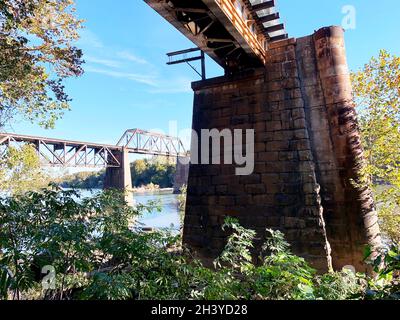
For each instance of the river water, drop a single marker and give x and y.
(169, 217)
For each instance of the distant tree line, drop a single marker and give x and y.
(83, 180)
(156, 171)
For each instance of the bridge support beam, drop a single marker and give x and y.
(307, 151)
(120, 178)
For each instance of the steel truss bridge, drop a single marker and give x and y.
(67, 153)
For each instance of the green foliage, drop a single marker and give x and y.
(182, 198)
(36, 55)
(377, 92)
(105, 286)
(232, 275)
(20, 170)
(339, 286)
(158, 171)
(280, 275)
(237, 250)
(284, 275)
(182, 205)
(52, 228)
(98, 254)
(386, 284)
(83, 180)
(155, 173)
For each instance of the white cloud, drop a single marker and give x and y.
(117, 64)
(171, 86)
(131, 57)
(103, 62)
(140, 78)
(89, 39)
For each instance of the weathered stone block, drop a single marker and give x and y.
(294, 223)
(301, 134)
(268, 156)
(274, 125)
(298, 113)
(305, 156)
(270, 178)
(255, 188)
(251, 179)
(278, 145)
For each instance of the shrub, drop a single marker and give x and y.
(96, 253)
(386, 284)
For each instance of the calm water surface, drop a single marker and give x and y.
(167, 218)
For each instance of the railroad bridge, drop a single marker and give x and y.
(115, 158)
(296, 94)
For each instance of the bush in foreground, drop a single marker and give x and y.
(92, 251)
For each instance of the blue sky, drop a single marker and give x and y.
(128, 85)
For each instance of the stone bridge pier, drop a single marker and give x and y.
(181, 174)
(120, 178)
(307, 152)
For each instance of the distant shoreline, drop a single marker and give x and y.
(140, 190)
(149, 190)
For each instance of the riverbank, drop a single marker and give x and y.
(146, 190)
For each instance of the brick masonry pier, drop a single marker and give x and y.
(307, 151)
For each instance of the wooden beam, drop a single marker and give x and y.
(274, 28)
(191, 10)
(269, 17)
(220, 40)
(278, 38)
(225, 46)
(263, 6)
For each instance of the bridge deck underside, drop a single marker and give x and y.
(204, 23)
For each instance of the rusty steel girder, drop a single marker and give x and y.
(146, 142)
(67, 153)
(64, 153)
